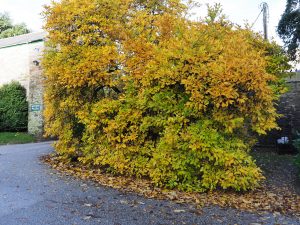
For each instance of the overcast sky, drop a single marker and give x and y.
(238, 11)
(27, 11)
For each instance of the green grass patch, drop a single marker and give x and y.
(15, 138)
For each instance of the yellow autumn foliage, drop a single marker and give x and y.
(136, 88)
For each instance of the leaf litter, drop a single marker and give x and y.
(279, 198)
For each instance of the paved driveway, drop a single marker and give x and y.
(32, 193)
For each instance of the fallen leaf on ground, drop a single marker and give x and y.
(268, 198)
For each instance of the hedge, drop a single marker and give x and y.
(13, 107)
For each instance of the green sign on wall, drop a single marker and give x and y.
(36, 108)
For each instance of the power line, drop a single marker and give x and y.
(265, 10)
(257, 18)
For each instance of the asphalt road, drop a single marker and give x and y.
(32, 193)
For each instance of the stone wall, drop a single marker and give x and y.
(289, 107)
(35, 95)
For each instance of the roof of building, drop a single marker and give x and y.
(22, 39)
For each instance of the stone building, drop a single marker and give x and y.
(20, 61)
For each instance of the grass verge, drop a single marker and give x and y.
(15, 138)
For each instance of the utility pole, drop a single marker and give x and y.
(265, 10)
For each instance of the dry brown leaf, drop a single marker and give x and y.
(278, 200)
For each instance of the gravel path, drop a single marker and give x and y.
(32, 193)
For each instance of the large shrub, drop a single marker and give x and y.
(134, 87)
(13, 107)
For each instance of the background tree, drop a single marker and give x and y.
(289, 27)
(8, 29)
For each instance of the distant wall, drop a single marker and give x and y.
(289, 107)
